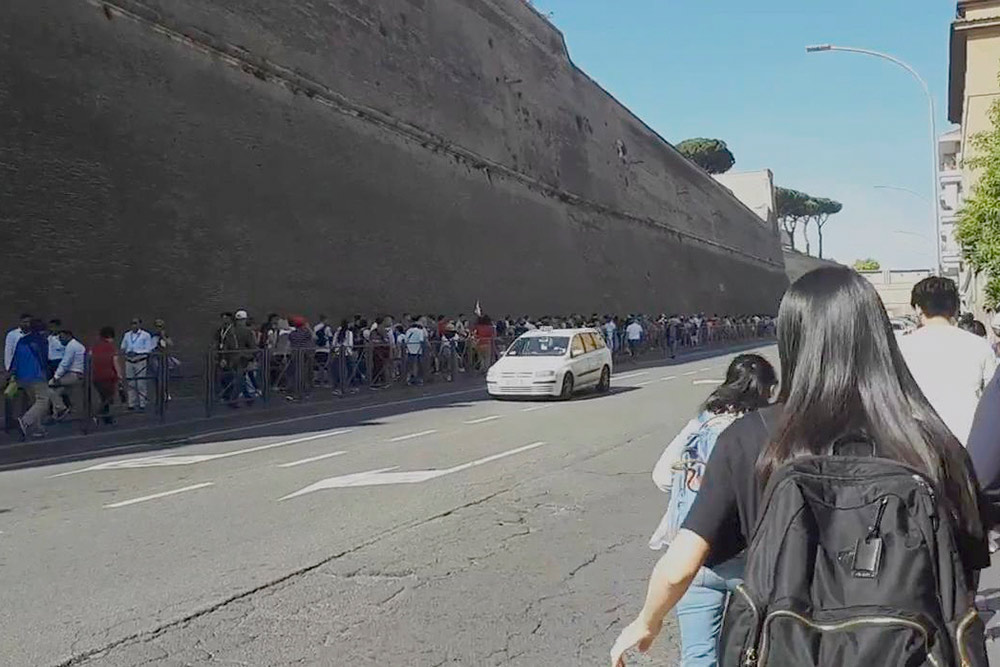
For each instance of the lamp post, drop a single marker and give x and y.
(934, 139)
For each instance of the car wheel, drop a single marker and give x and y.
(567, 387)
(605, 384)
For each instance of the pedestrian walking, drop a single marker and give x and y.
(855, 504)
(749, 384)
(68, 375)
(55, 351)
(951, 366)
(14, 398)
(29, 369)
(416, 338)
(107, 372)
(136, 346)
(634, 333)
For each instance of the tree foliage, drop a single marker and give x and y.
(978, 229)
(794, 207)
(712, 155)
(867, 265)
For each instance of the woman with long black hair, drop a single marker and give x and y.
(841, 375)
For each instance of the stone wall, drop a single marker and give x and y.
(178, 158)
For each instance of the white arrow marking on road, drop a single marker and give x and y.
(190, 459)
(384, 476)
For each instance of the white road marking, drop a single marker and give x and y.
(154, 496)
(482, 420)
(310, 459)
(166, 460)
(702, 370)
(689, 373)
(668, 378)
(645, 382)
(384, 476)
(410, 436)
(536, 408)
(629, 375)
(707, 381)
(361, 408)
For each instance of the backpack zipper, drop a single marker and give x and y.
(845, 625)
(750, 653)
(963, 626)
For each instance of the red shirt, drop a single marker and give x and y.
(484, 332)
(102, 360)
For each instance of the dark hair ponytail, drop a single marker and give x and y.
(748, 386)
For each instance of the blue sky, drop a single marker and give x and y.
(831, 124)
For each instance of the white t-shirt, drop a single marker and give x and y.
(634, 331)
(952, 367)
(415, 339)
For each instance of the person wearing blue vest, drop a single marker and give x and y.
(29, 368)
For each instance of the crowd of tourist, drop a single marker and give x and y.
(46, 364)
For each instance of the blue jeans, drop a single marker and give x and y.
(699, 612)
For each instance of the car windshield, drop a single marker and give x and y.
(539, 346)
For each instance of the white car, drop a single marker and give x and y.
(553, 362)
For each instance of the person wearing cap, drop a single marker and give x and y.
(237, 347)
(135, 346)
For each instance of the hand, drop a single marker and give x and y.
(637, 634)
(53, 382)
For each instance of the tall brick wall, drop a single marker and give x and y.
(177, 158)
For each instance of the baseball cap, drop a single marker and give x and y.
(241, 315)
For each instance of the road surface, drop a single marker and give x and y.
(457, 531)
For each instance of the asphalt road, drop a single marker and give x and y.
(495, 533)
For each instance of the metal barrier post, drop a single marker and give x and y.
(163, 389)
(209, 383)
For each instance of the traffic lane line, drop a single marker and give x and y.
(155, 496)
(645, 382)
(536, 408)
(668, 378)
(311, 459)
(169, 460)
(481, 420)
(707, 381)
(689, 373)
(411, 436)
(629, 375)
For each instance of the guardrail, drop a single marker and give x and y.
(157, 387)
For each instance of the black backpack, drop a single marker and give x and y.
(322, 337)
(854, 562)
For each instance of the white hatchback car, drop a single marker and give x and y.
(552, 362)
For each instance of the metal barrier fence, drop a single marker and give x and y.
(153, 386)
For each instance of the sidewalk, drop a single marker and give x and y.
(185, 419)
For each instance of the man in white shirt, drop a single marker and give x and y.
(415, 339)
(951, 366)
(68, 374)
(55, 345)
(136, 345)
(14, 335)
(634, 333)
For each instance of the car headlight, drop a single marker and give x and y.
(545, 374)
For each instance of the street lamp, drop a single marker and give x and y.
(896, 187)
(934, 139)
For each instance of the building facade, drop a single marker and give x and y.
(972, 89)
(950, 197)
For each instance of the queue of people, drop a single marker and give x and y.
(46, 371)
(841, 522)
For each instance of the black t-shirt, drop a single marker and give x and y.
(725, 510)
